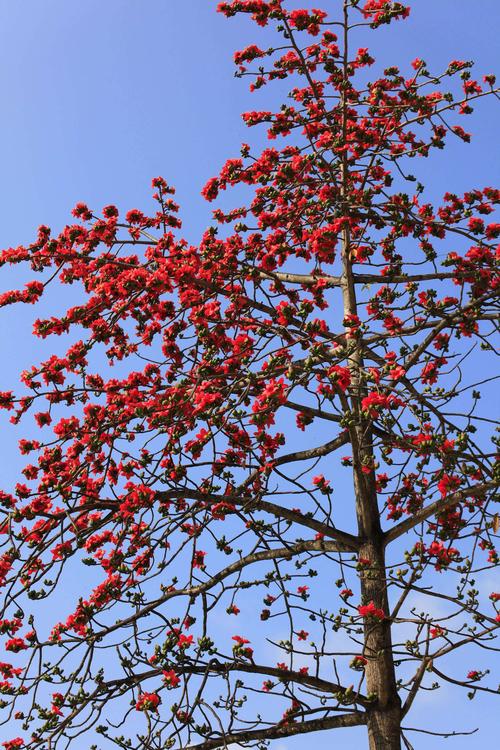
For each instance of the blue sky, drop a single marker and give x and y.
(99, 96)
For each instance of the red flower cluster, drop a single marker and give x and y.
(373, 404)
(304, 20)
(370, 611)
(148, 702)
(240, 648)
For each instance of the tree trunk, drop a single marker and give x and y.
(384, 730)
(384, 720)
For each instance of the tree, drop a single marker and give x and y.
(287, 467)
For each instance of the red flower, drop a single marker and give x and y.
(13, 744)
(57, 702)
(6, 400)
(239, 640)
(248, 54)
(358, 662)
(375, 402)
(430, 371)
(305, 20)
(321, 483)
(302, 591)
(185, 641)
(110, 212)
(211, 189)
(437, 632)
(396, 373)
(448, 483)
(148, 702)
(240, 648)
(15, 645)
(199, 559)
(370, 610)
(444, 555)
(341, 376)
(170, 679)
(134, 216)
(382, 11)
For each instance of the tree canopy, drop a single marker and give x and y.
(261, 485)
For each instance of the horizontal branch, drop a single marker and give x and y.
(463, 683)
(290, 729)
(322, 450)
(299, 278)
(436, 507)
(279, 553)
(359, 278)
(436, 324)
(345, 540)
(324, 686)
(312, 411)
(369, 278)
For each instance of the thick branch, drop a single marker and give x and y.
(345, 540)
(312, 411)
(354, 719)
(322, 450)
(359, 278)
(299, 278)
